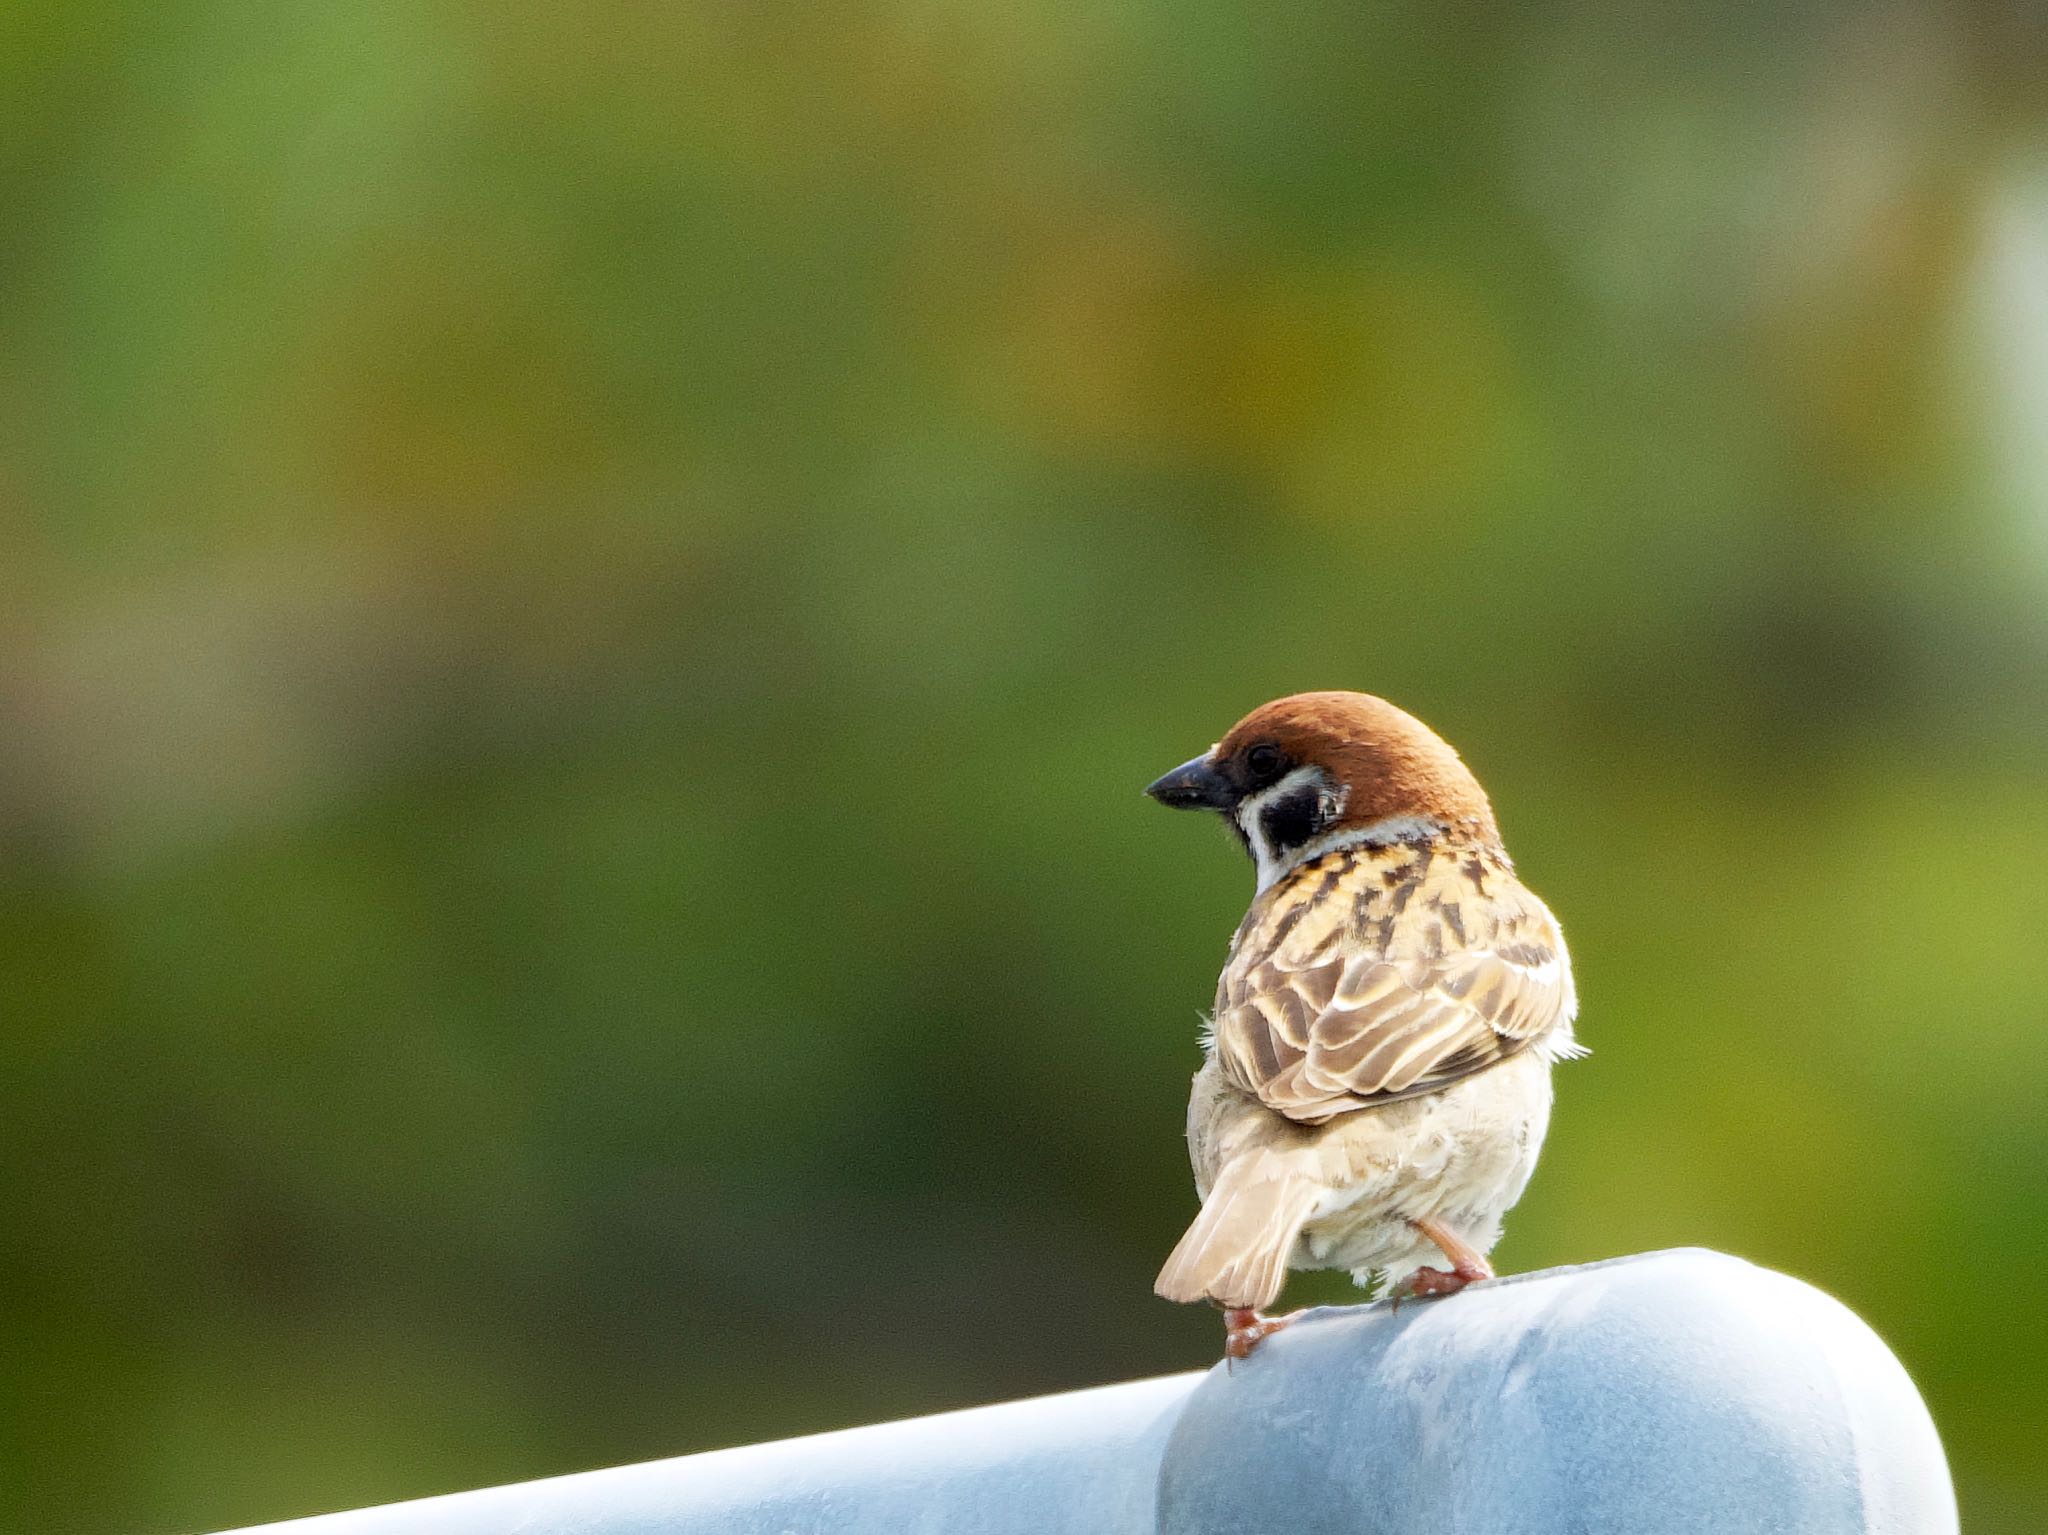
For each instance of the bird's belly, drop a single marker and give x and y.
(1462, 1156)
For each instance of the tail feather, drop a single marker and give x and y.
(1236, 1251)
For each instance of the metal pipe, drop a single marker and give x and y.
(1671, 1393)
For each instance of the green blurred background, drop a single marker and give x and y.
(588, 592)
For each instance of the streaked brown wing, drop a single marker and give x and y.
(1376, 975)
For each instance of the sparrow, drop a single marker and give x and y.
(1376, 1080)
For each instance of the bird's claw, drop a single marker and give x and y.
(1428, 1282)
(1244, 1330)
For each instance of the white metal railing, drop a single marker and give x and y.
(1684, 1392)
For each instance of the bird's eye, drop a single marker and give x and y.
(1265, 760)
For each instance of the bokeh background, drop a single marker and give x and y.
(586, 593)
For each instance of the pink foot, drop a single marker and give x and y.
(1427, 1282)
(1244, 1330)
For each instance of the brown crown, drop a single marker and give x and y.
(1392, 763)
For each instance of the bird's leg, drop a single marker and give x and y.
(1244, 1329)
(1467, 1262)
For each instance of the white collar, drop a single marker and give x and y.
(1398, 828)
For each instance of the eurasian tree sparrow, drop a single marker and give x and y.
(1377, 1080)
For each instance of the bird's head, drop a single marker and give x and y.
(1314, 771)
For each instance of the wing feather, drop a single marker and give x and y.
(1408, 969)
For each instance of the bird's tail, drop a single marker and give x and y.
(1236, 1251)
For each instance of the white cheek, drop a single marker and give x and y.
(1272, 863)
(1254, 829)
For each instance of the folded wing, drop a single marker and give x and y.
(1382, 974)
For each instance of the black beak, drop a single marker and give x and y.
(1194, 786)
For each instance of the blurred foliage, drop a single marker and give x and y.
(588, 591)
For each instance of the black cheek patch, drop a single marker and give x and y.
(1293, 819)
